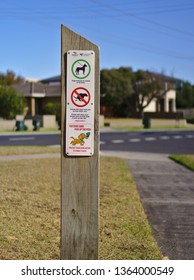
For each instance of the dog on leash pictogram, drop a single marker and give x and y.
(82, 68)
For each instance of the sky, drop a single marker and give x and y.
(154, 35)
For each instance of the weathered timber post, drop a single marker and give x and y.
(80, 89)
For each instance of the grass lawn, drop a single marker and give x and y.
(124, 232)
(30, 211)
(186, 160)
(130, 124)
(23, 150)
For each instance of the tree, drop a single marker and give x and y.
(116, 90)
(147, 86)
(184, 95)
(11, 102)
(10, 78)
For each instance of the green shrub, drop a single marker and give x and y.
(53, 109)
(190, 120)
(12, 102)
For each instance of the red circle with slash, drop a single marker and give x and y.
(78, 97)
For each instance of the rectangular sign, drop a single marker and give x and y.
(80, 103)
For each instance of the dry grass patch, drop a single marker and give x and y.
(30, 209)
(23, 150)
(125, 231)
(30, 212)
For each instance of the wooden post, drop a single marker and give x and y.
(79, 174)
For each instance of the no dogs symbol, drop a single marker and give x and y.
(81, 69)
(80, 97)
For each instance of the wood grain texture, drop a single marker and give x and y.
(80, 175)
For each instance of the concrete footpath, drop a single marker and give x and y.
(167, 192)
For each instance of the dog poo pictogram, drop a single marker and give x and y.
(80, 97)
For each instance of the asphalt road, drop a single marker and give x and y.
(163, 142)
(30, 139)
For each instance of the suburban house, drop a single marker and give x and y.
(49, 90)
(165, 104)
(40, 93)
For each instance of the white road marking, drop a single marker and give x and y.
(21, 138)
(164, 137)
(134, 140)
(150, 139)
(117, 141)
(177, 136)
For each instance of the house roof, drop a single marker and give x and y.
(30, 89)
(51, 79)
(51, 87)
(164, 77)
